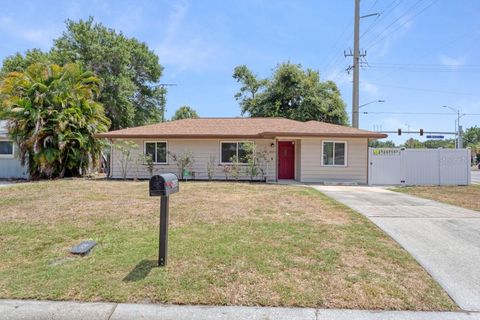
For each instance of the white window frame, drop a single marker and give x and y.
(166, 150)
(237, 142)
(8, 156)
(345, 163)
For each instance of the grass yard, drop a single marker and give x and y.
(230, 244)
(462, 196)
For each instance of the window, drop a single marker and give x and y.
(6, 149)
(334, 153)
(234, 149)
(157, 150)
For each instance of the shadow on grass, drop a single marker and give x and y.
(141, 270)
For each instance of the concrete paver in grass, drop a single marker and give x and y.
(444, 239)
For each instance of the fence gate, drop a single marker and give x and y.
(395, 166)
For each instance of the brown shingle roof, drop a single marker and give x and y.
(240, 128)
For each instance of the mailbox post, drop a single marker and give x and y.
(163, 186)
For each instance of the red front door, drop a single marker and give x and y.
(286, 160)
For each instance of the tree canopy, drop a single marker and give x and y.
(471, 136)
(128, 69)
(184, 112)
(53, 118)
(471, 140)
(381, 144)
(290, 92)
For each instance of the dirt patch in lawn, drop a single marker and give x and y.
(230, 244)
(463, 196)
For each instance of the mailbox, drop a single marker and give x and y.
(163, 185)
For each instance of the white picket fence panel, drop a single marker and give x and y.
(395, 166)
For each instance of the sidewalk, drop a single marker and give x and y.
(43, 310)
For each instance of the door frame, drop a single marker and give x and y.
(294, 157)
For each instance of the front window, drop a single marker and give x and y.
(6, 148)
(235, 150)
(334, 153)
(157, 150)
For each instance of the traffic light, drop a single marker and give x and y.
(399, 132)
(421, 132)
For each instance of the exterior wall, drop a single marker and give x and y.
(10, 167)
(298, 163)
(354, 171)
(202, 150)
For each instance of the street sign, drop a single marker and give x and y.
(435, 137)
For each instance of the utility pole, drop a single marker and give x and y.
(356, 55)
(458, 128)
(356, 65)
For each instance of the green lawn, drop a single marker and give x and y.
(230, 244)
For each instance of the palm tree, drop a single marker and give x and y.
(53, 117)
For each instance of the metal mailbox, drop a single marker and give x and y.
(163, 185)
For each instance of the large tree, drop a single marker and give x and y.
(19, 62)
(471, 140)
(184, 112)
(53, 117)
(128, 70)
(290, 92)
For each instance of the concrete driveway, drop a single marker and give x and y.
(6, 184)
(444, 239)
(476, 177)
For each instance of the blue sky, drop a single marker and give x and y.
(421, 53)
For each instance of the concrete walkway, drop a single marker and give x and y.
(5, 183)
(43, 310)
(444, 239)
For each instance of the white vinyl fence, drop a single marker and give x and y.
(394, 166)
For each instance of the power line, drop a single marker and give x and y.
(444, 45)
(374, 42)
(425, 89)
(383, 14)
(426, 69)
(419, 113)
(426, 65)
(332, 56)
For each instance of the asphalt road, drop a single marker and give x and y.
(444, 239)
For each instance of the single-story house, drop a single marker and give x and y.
(10, 166)
(310, 151)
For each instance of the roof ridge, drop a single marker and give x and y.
(236, 118)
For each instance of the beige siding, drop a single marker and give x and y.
(202, 151)
(298, 163)
(355, 170)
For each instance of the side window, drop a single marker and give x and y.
(334, 153)
(6, 148)
(229, 150)
(157, 150)
(150, 150)
(234, 149)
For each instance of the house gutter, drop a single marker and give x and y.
(263, 135)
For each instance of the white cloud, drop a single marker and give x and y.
(383, 40)
(183, 49)
(39, 36)
(339, 76)
(450, 61)
(393, 123)
(368, 87)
